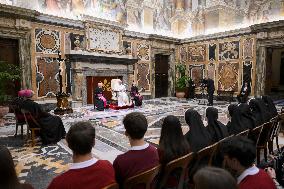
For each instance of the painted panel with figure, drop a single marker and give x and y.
(196, 73)
(228, 76)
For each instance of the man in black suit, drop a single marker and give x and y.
(210, 89)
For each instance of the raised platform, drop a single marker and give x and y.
(116, 107)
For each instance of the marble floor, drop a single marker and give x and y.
(38, 165)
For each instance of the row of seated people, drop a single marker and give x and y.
(88, 172)
(51, 127)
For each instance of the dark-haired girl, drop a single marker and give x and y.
(8, 176)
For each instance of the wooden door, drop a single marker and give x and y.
(9, 54)
(161, 75)
(92, 82)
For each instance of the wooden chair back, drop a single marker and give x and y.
(255, 133)
(181, 164)
(275, 127)
(205, 155)
(265, 134)
(244, 133)
(146, 178)
(112, 186)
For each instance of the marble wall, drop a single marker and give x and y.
(228, 61)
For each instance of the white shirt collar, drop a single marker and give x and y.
(250, 171)
(83, 164)
(143, 147)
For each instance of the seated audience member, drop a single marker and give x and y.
(198, 137)
(172, 145)
(141, 156)
(259, 111)
(99, 99)
(242, 120)
(270, 106)
(135, 95)
(86, 172)
(52, 128)
(217, 130)
(244, 93)
(231, 110)
(8, 176)
(239, 156)
(214, 178)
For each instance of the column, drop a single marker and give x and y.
(260, 73)
(282, 7)
(180, 4)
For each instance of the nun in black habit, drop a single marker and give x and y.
(259, 112)
(217, 130)
(198, 137)
(51, 127)
(270, 106)
(242, 119)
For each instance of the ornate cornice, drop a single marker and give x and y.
(17, 12)
(226, 34)
(267, 26)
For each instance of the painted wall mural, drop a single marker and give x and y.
(165, 16)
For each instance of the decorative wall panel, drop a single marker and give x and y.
(228, 76)
(211, 71)
(196, 72)
(183, 54)
(143, 75)
(104, 39)
(77, 41)
(248, 47)
(47, 41)
(229, 50)
(143, 51)
(47, 76)
(247, 71)
(197, 53)
(212, 52)
(127, 47)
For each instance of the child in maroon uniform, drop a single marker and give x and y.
(141, 156)
(86, 172)
(239, 155)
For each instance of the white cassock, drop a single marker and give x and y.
(122, 99)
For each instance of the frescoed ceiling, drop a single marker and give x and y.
(178, 18)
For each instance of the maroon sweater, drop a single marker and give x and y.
(134, 162)
(96, 176)
(261, 180)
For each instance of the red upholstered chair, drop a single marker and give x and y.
(20, 121)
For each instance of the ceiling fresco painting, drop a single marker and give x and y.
(177, 18)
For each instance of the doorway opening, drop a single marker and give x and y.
(9, 54)
(274, 85)
(161, 75)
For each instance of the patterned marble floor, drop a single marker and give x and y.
(38, 165)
